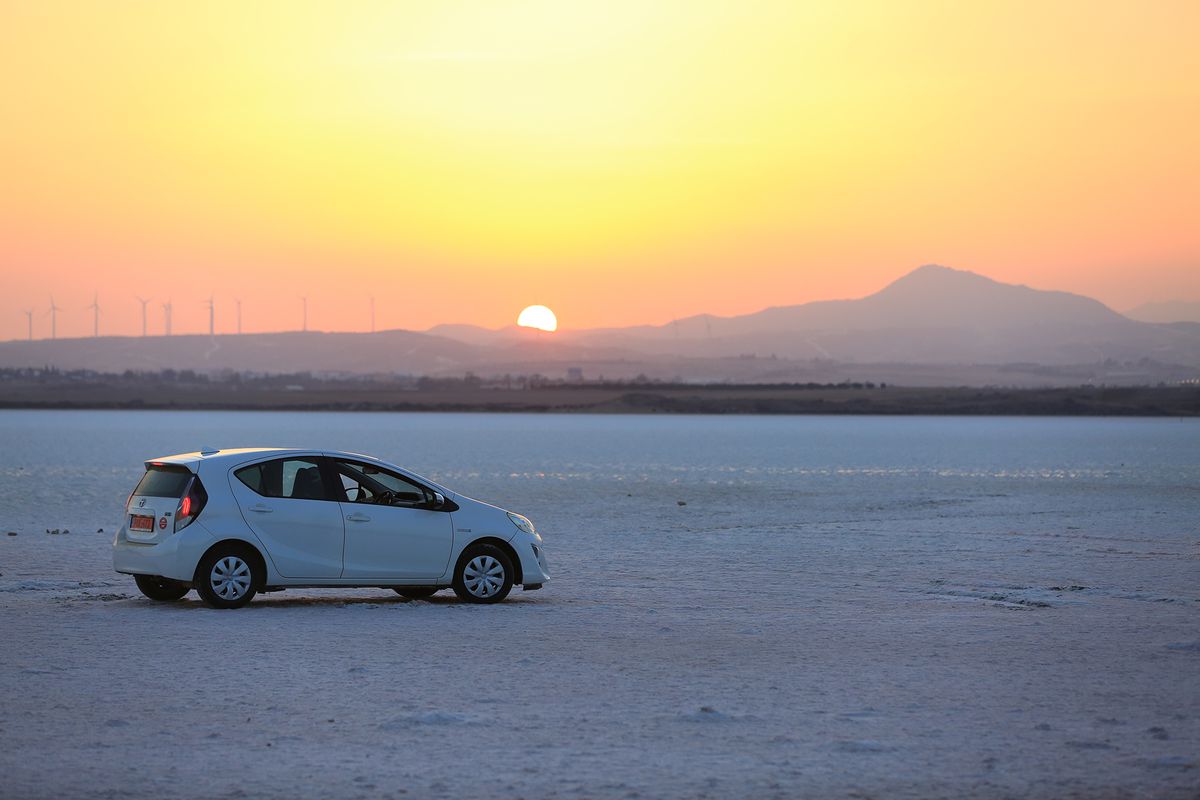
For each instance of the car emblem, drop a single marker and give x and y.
(162, 523)
(141, 502)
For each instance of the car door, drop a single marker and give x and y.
(286, 504)
(390, 531)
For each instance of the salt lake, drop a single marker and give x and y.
(740, 606)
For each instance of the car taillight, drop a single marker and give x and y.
(191, 504)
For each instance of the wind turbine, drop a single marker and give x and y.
(372, 314)
(29, 319)
(167, 318)
(239, 316)
(304, 326)
(143, 302)
(53, 312)
(95, 307)
(210, 314)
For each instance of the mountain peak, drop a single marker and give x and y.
(933, 268)
(936, 273)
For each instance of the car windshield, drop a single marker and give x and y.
(163, 480)
(365, 483)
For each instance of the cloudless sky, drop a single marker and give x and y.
(620, 161)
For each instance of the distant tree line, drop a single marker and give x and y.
(294, 380)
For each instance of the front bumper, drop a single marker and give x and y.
(175, 557)
(535, 570)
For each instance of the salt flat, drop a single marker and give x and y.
(843, 608)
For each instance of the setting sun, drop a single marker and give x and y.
(538, 317)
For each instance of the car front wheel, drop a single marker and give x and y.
(157, 587)
(484, 575)
(228, 577)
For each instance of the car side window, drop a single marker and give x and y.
(365, 483)
(295, 478)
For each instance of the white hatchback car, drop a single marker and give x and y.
(231, 523)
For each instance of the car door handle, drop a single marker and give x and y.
(356, 517)
(261, 509)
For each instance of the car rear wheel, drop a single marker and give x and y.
(415, 592)
(228, 577)
(484, 574)
(157, 587)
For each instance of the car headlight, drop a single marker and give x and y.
(522, 523)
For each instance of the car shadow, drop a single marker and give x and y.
(282, 600)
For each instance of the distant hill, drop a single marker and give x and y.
(933, 315)
(478, 335)
(1169, 311)
(933, 326)
(386, 351)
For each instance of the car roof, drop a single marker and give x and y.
(242, 453)
(223, 454)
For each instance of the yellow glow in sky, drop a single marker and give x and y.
(627, 161)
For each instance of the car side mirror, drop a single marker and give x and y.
(438, 500)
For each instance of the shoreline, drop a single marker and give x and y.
(771, 400)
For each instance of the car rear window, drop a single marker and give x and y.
(163, 481)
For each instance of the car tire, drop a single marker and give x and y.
(165, 590)
(228, 576)
(484, 574)
(415, 592)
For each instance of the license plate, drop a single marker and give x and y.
(139, 523)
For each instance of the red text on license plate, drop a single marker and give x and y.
(141, 523)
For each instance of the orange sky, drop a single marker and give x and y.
(620, 161)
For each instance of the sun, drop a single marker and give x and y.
(538, 317)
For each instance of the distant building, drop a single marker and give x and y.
(575, 374)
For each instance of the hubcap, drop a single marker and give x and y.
(483, 576)
(230, 578)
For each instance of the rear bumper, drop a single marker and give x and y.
(175, 557)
